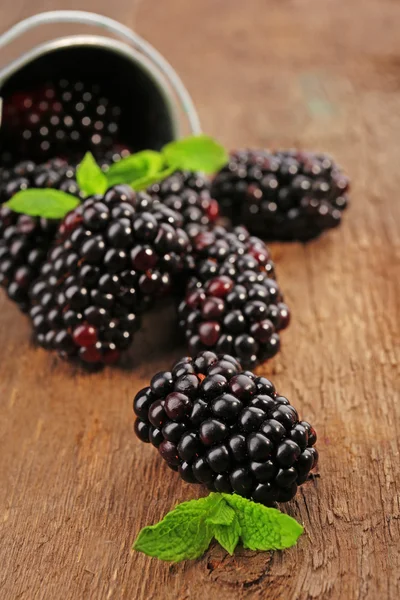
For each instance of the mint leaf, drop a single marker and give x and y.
(186, 531)
(263, 528)
(46, 203)
(182, 534)
(135, 167)
(222, 513)
(90, 177)
(143, 183)
(196, 153)
(228, 535)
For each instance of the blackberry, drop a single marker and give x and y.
(61, 118)
(25, 240)
(234, 433)
(113, 255)
(232, 303)
(284, 195)
(189, 194)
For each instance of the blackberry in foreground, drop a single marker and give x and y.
(25, 240)
(232, 303)
(113, 255)
(61, 118)
(226, 428)
(189, 194)
(284, 195)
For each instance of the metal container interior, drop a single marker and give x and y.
(149, 116)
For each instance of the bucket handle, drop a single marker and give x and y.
(124, 33)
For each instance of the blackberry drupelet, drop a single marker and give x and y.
(113, 255)
(232, 304)
(284, 195)
(226, 428)
(25, 240)
(61, 118)
(189, 194)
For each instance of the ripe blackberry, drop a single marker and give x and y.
(232, 304)
(229, 430)
(61, 118)
(189, 194)
(113, 254)
(285, 195)
(25, 240)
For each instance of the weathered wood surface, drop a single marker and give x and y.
(76, 486)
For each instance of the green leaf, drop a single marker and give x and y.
(263, 528)
(143, 183)
(228, 535)
(182, 534)
(196, 153)
(90, 177)
(222, 513)
(135, 167)
(186, 531)
(46, 203)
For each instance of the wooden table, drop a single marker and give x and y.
(76, 486)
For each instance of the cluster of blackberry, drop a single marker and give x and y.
(61, 118)
(87, 280)
(232, 303)
(286, 195)
(25, 240)
(243, 322)
(189, 194)
(113, 255)
(226, 428)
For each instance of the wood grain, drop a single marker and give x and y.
(76, 486)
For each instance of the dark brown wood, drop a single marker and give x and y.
(76, 486)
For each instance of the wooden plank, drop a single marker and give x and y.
(76, 486)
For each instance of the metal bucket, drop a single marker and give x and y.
(151, 94)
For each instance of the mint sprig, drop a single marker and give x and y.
(46, 203)
(186, 531)
(141, 170)
(90, 177)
